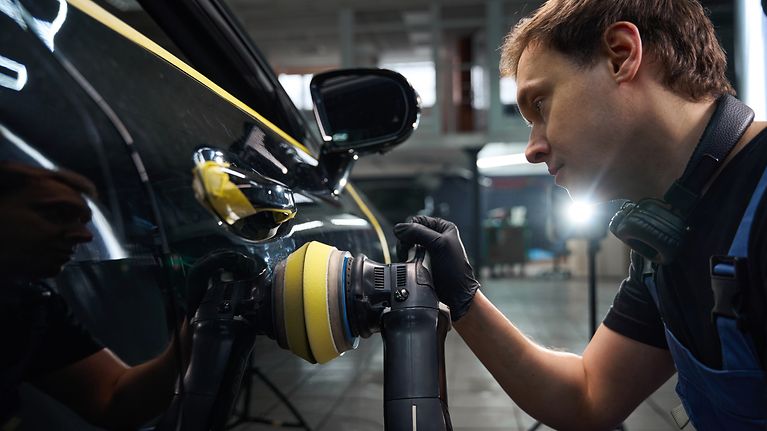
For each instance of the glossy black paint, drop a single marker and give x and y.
(221, 50)
(102, 106)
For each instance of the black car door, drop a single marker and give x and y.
(171, 110)
(152, 112)
(101, 100)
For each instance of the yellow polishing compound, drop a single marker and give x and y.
(310, 303)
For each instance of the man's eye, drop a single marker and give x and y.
(539, 106)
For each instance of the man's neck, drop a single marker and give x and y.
(682, 124)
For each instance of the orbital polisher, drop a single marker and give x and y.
(318, 303)
(324, 300)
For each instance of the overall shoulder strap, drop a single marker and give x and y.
(739, 245)
(730, 274)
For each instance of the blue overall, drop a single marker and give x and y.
(735, 397)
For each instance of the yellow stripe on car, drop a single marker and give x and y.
(373, 221)
(101, 15)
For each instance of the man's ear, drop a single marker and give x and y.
(622, 46)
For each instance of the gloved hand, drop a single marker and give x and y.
(453, 276)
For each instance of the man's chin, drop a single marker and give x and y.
(587, 193)
(578, 194)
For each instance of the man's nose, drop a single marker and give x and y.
(538, 149)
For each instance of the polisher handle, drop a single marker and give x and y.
(415, 387)
(414, 331)
(224, 334)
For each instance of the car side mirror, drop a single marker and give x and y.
(360, 111)
(364, 110)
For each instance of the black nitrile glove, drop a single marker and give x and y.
(453, 276)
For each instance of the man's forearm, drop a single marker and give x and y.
(551, 386)
(109, 393)
(142, 392)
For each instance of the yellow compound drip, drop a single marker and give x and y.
(316, 310)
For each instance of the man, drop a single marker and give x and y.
(618, 94)
(43, 217)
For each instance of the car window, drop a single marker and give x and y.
(131, 13)
(260, 89)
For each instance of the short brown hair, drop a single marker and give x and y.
(676, 33)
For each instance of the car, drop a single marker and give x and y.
(82, 90)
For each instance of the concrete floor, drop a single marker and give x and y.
(347, 393)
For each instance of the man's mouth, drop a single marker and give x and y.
(554, 169)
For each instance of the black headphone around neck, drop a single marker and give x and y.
(656, 228)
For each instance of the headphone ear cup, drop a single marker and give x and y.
(650, 229)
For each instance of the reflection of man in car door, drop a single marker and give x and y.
(43, 216)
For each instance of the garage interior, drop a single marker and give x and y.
(463, 164)
(536, 254)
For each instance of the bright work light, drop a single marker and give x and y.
(580, 213)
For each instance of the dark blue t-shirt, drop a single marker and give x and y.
(39, 335)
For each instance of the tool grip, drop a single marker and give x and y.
(415, 387)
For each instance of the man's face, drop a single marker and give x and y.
(40, 225)
(578, 121)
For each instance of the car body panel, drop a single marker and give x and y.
(106, 103)
(168, 116)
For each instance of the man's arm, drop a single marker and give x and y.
(109, 393)
(563, 390)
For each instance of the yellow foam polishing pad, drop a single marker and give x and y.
(278, 305)
(316, 309)
(295, 325)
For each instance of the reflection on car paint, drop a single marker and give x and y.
(44, 29)
(255, 140)
(165, 142)
(13, 82)
(305, 226)
(104, 239)
(351, 221)
(9, 8)
(376, 226)
(301, 198)
(252, 205)
(105, 244)
(25, 148)
(97, 13)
